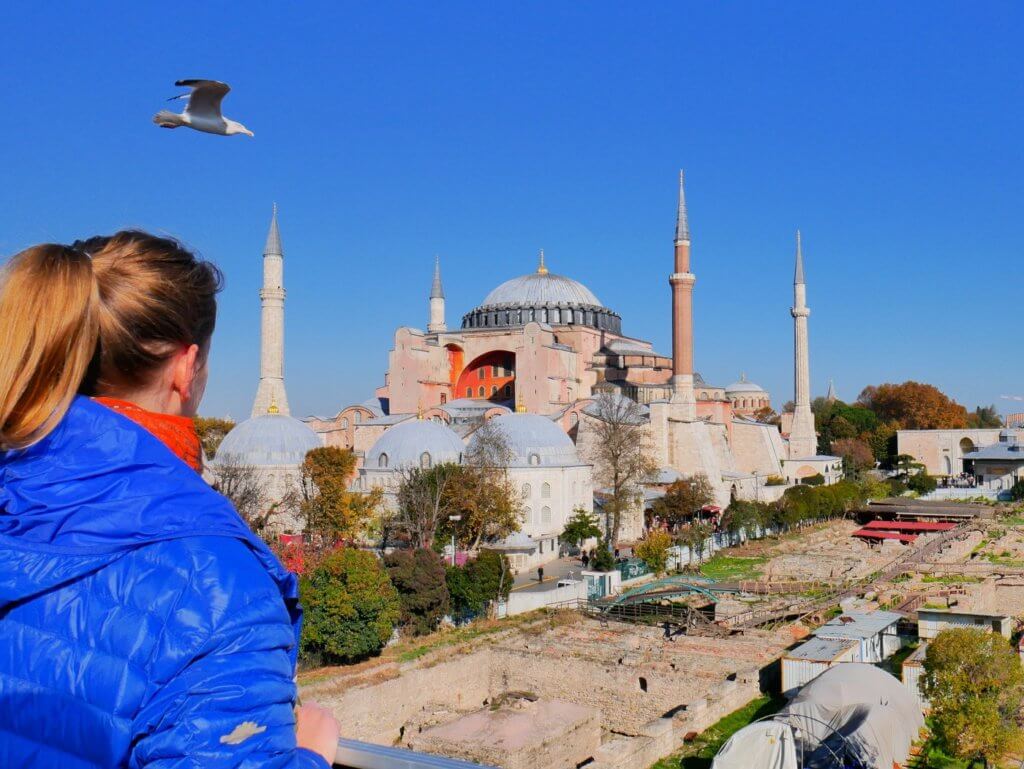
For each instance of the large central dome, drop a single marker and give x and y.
(543, 297)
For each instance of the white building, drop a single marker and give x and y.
(874, 631)
(413, 443)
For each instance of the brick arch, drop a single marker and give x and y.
(492, 371)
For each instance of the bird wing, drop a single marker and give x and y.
(206, 96)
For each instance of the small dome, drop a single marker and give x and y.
(536, 441)
(743, 386)
(405, 444)
(267, 440)
(539, 289)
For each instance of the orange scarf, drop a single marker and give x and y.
(177, 433)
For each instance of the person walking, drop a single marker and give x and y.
(540, 573)
(142, 624)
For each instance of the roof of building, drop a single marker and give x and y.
(404, 445)
(1005, 452)
(539, 288)
(821, 649)
(743, 386)
(858, 624)
(532, 435)
(266, 440)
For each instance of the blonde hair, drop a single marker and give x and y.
(95, 317)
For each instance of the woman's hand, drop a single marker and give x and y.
(317, 730)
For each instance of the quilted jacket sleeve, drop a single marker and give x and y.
(227, 702)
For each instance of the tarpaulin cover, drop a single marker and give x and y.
(764, 745)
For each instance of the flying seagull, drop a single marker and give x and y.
(203, 110)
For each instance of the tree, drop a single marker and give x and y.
(419, 577)
(329, 510)
(767, 415)
(242, 485)
(483, 580)
(653, 550)
(974, 683)
(922, 483)
(603, 560)
(695, 537)
(211, 432)
(1017, 491)
(984, 417)
(684, 499)
(856, 454)
(351, 607)
(914, 405)
(622, 455)
(883, 442)
(425, 502)
(581, 527)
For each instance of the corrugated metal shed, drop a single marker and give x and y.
(809, 660)
(821, 649)
(913, 668)
(858, 624)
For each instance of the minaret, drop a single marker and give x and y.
(270, 395)
(803, 441)
(831, 396)
(437, 323)
(682, 280)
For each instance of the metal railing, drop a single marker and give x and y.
(353, 754)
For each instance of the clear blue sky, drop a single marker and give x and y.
(891, 134)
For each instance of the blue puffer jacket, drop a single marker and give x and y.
(141, 623)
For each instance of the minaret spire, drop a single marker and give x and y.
(542, 269)
(270, 395)
(831, 396)
(437, 323)
(682, 280)
(803, 441)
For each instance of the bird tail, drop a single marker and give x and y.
(166, 119)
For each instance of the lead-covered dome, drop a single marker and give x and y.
(535, 441)
(414, 443)
(542, 297)
(265, 441)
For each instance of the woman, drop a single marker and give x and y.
(141, 623)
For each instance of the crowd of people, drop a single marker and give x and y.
(961, 481)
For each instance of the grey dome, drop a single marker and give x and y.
(536, 438)
(541, 288)
(404, 445)
(267, 440)
(743, 386)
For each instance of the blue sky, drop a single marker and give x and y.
(388, 132)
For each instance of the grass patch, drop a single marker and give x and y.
(894, 664)
(732, 568)
(699, 753)
(949, 579)
(1013, 520)
(1002, 560)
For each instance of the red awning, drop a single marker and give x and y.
(869, 534)
(908, 526)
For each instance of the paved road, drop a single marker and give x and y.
(553, 571)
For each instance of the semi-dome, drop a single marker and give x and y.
(743, 386)
(542, 297)
(535, 440)
(414, 443)
(267, 440)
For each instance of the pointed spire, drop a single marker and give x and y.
(831, 397)
(799, 276)
(541, 267)
(273, 237)
(436, 290)
(682, 221)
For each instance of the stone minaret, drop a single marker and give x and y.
(437, 323)
(270, 395)
(682, 280)
(803, 442)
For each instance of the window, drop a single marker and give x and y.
(481, 373)
(382, 461)
(344, 423)
(425, 460)
(545, 491)
(545, 515)
(643, 684)
(508, 391)
(534, 459)
(494, 390)
(444, 399)
(528, 515)
(526, 491)
(358, 417)
(482, 391)
(496, 371)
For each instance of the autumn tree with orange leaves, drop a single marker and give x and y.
(915, 406)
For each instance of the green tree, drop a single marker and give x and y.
(211, 432)
(351, 608)
(330, 512)
(922, 483)
(482, 492)
(695, 537)
(653, 550)
(580, 527)
(419, 577)
(984, 417)
(1017, 491)
(603, 559)
(975, 685)
(684, 499)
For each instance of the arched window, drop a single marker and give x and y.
(425, 460)
(556, 316)
(358, 417)
(508, 391)
(545, 491)
(527, 515)
(344, 423)
(469, 392)
(545, 515)
(494, 390)
(444, 399)
(482, 391)
(703, 396)
(544, 315)
(481, 373)
(382, 461)
(526, 491)
(534, 459)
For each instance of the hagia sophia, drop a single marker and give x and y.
(534, 355)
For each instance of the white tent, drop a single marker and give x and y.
(852, 708)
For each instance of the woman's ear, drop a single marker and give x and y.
(186, 366)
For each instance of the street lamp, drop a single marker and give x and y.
(454, 519)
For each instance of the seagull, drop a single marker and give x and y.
(203, 110)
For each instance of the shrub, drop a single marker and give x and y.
(653, 550)
(603, 559)
(479, 582)
(1017, 491)
(419, 577)
(351, 607)
(922, 483)
(814, 480)
(775, 480)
